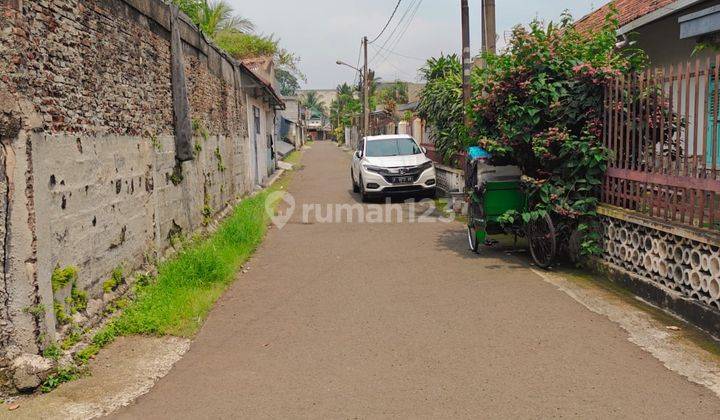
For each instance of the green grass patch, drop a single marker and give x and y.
(188, 285)
(441, 205)
(178, 300)
(294, 157)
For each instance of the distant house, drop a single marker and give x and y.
(663, 126)
(292, 125)
(263, 102)
(318, 126)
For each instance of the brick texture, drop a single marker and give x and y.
(86, 112)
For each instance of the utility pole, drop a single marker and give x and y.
(366, 91)
(488, 27)
(466, 63)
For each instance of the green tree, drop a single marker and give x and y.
(312, 101)
(393, 95)
(191, 8)
(441, 105)
(233, 33)
(396, 91)
(289, 84)
(345, 106)
(288, 72)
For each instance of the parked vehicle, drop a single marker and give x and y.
(391, 164)
(494, 190)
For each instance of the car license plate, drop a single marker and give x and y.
(404, 180)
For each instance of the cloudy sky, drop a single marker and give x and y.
(323, 31)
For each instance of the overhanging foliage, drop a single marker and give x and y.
(538, 105)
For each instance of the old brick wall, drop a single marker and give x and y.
(86, 113)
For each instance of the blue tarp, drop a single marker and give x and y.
(477, 152)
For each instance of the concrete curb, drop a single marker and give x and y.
(702, 316)
(274, 178)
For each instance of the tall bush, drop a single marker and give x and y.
(539, 105)
(441, 104)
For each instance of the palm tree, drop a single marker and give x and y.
(345, 89)
(215, 16)
(312, 101)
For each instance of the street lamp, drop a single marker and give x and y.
(342, 63)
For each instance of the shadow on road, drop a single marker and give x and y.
(499, 256)
(393, 199)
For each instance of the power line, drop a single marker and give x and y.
(402, 19)
(407, 26)
(399, 54)
(401, 34)
(403, 29)
(388, 22)
(386, 61)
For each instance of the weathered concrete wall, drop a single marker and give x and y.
(258, 136)
(88, 175)
(5, 326)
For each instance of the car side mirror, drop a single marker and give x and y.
(424, 150)
(358, 154)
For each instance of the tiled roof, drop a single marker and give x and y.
(628, 11)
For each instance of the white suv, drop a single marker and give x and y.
(391, 164)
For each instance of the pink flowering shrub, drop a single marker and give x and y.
(539, 105)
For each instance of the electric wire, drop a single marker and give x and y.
(398, 39)
(407, 26)
(410, 57)
(388, 22)
(394, 31)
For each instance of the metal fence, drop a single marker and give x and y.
(662, 126)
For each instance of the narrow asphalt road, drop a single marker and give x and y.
(357, 320)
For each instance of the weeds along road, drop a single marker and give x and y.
(345, 320)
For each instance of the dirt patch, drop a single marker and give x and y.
(123, 371)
